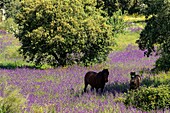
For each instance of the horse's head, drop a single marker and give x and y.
(135, 80)
(133, 75)
(105, 74)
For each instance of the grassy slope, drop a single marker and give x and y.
(123, 40)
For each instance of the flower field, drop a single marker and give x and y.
(60, 90)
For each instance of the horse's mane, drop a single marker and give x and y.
(100, 74)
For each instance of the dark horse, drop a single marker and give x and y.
(96, 80)
(135, 81)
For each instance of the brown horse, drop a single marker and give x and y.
(96, 80)
(135, 81)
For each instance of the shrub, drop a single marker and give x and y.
(11, 101)
(117, 22)
(157, 80)
(150, 98)
(43, 109)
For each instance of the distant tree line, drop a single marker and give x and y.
(146, 7)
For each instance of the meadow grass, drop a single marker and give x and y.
(123, 40)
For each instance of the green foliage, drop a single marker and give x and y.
(41, 109)
(130, 6)
(155, 81)
(152, 7)
(11, 101)
(156, 33)
(150, 98)
(1, 15)
(146, 7)
(153, 95)
(111, 6)
(117, 22)
(163, 63)
(10, 6)
(136, 6)
(63, 32)
(9, 25)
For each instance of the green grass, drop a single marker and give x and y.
(132, 18)
(123, 40)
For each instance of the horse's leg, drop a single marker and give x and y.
(97, 90)
(86, 84)
(130, 87)
(102, 89)
(92, 88)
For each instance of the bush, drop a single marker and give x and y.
(117, 22)
(11, 101)
(63, 33)
(50, 108)
(150, 98)
(9, 25)
(157, 80)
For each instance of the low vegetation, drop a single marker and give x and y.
(11, 100)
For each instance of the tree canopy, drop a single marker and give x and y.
(63, 32)
(10, 7)
(156, 36)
